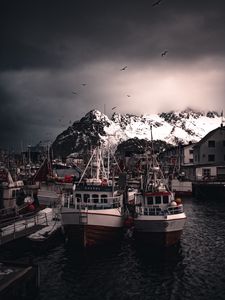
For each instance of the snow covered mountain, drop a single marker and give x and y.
(172, 127)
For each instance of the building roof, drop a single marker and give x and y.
(208, 135)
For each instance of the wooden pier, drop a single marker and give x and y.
(18, 280)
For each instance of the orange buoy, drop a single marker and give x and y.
(31, 207)
(178, 201)
(104, 181)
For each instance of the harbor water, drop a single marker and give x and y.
(194, 269)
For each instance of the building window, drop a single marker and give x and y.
(211, 157)
(224, 143)
(191, 151)
(203, 155)
(191, 161)
(211, 144)
(206, 173)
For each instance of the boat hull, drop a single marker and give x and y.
(92, 228)
(159, 232)
(92, 235)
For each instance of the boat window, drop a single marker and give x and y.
(71, 200)
(158, 200)
(86, 198)
(78, 196)
(165, 199)
(13, 193)
(95, 198)
(150, 200)
(104, 199)
(17, 192)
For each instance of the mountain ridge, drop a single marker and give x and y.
(171, 127)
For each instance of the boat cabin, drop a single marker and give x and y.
(159, 203)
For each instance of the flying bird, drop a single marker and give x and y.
(123, 69)
(114, 107)
(156, 3)
(128, 95)
(164, 53)
(74, 93)
(84, 84)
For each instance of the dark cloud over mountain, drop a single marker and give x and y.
(48, 48)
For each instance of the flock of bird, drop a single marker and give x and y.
(164, 53)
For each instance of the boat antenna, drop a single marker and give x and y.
(152, 139)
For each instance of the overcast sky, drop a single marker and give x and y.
(60, 59)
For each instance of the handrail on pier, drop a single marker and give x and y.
(21, 226)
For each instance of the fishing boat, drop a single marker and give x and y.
(159, 218)
(94, 213)
(14, 199)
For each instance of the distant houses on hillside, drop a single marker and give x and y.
(200, 161)
(209, 156)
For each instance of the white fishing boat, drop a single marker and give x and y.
(13, 200)
(159, 217)
(94, 213)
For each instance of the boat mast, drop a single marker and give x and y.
(98, 162)
(108, 160)
(153, 159)
(152, 139)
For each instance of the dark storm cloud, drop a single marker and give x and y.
(48, 48)
(63, 34)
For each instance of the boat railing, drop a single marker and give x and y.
(157, 211)
(172, 210)
(8, 211)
